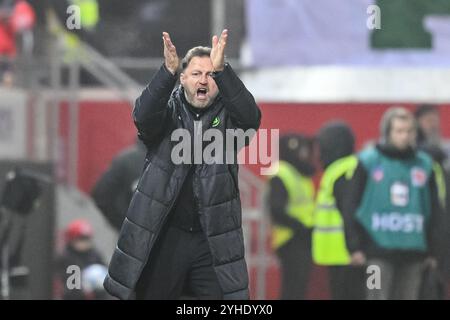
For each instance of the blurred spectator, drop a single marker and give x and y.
(70, 37)
(429, 132)
(7, 42)
(113, 191)
(336, 146)
(393, 213)
(291, 205)
(89, 16)
(430, 141)
(16, 17)
(427, 116)
(79, 251)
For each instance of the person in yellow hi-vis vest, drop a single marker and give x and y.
(336, 146)
(63, 23)
(291, 203)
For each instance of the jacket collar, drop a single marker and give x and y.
(392, 152)
(189, 113)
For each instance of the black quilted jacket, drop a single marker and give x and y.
(158, 111)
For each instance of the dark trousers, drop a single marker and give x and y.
(179, 266)
(295, 264)
(347, 282)
(398, 280)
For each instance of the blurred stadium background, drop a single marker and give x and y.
(66, 95)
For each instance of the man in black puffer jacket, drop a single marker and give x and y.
(183, 227)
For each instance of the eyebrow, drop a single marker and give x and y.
(197, 70)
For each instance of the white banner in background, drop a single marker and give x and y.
(336, 32)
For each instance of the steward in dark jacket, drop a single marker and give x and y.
(336, 145)
(161, 192)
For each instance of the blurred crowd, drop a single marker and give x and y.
(384, 208)
(31, 29)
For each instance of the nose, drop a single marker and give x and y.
(204, 79)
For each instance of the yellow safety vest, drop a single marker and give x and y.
(301, 201)
(440, 183)
(89, 17)
(89, 12)
(328, 238)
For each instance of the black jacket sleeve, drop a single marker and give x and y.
(239, 102)
(277, 202)
(350, 203)
(435, 228)
(340, 191)
(151, 108)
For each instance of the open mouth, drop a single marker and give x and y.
(202, 93)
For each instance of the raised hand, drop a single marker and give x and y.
(171, 59)
(218, 50)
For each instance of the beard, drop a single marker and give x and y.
(191, 99)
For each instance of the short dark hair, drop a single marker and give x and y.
(195, 52)
(424, 109)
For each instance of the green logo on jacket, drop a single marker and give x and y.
(215, 122)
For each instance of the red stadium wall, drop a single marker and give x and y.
(362, 117)
(105, 128)
(307, 118)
